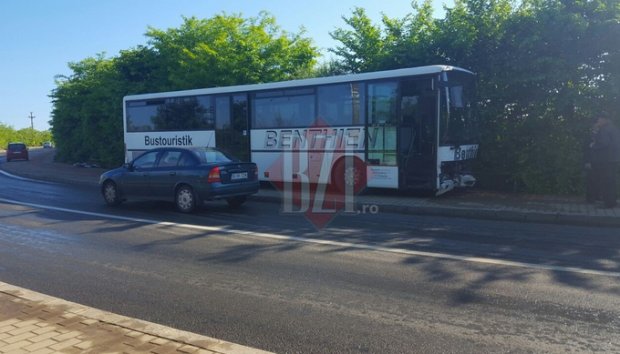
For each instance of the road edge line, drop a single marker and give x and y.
(368, 247)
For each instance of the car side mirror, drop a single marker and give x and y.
(128, 166)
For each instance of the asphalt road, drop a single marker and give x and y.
(366, 283)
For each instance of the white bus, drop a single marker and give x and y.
(410, 128)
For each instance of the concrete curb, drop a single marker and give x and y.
(483, 214)
(128, 323)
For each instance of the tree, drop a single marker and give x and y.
(544, 68)
(547, 81)
(223, 50)
(26, 135)
(86, 117)
(229, 50)
(364, 47)
(396, 43)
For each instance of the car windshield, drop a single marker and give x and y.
(212, 156)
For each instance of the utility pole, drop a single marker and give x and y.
(31, 121)
(31, 128)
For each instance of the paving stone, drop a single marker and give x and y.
(65, 344)
(40, 345)
(8, 322)
(43, 337)
(8, 328)
(21, 337)
(18, 331)
(67, 335)
(43, 330)
(44, 351)
(12, 347)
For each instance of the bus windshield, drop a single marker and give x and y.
(458, 123)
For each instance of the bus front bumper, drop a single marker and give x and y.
(459, 181)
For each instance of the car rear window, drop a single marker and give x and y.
(16, 147)
(211, 156)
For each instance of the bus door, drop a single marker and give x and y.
(417, 133)
(381, 135)
(232, 133)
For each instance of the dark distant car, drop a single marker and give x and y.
(186, 177)
(16, 151)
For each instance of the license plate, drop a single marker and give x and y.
(238, 176)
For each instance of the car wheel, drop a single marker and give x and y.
(110, 193)
(236, 202)
(185, 200)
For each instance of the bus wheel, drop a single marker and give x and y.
(345, 177)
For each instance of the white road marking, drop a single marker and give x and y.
(482, 260)
(23, 178)
(15, 177)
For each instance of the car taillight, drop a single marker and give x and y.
(214, 175)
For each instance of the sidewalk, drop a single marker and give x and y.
(34, 323)
(468, 204)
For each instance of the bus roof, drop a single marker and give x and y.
(422, 70)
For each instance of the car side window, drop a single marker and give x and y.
(169, 159)
(147, 160)
(187, 160)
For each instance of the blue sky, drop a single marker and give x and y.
(39, 37)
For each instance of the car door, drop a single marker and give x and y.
(164, 177)
(136, 182)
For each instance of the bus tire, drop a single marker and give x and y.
(343, 177)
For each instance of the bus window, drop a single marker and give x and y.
(340, 104)
(222, 112)
(382, 102)
(185, 113)
(176, 113)
(139, 114)
(204, 115)
(382, 123)
(283, 109)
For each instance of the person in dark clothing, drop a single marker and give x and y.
(602, 160)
